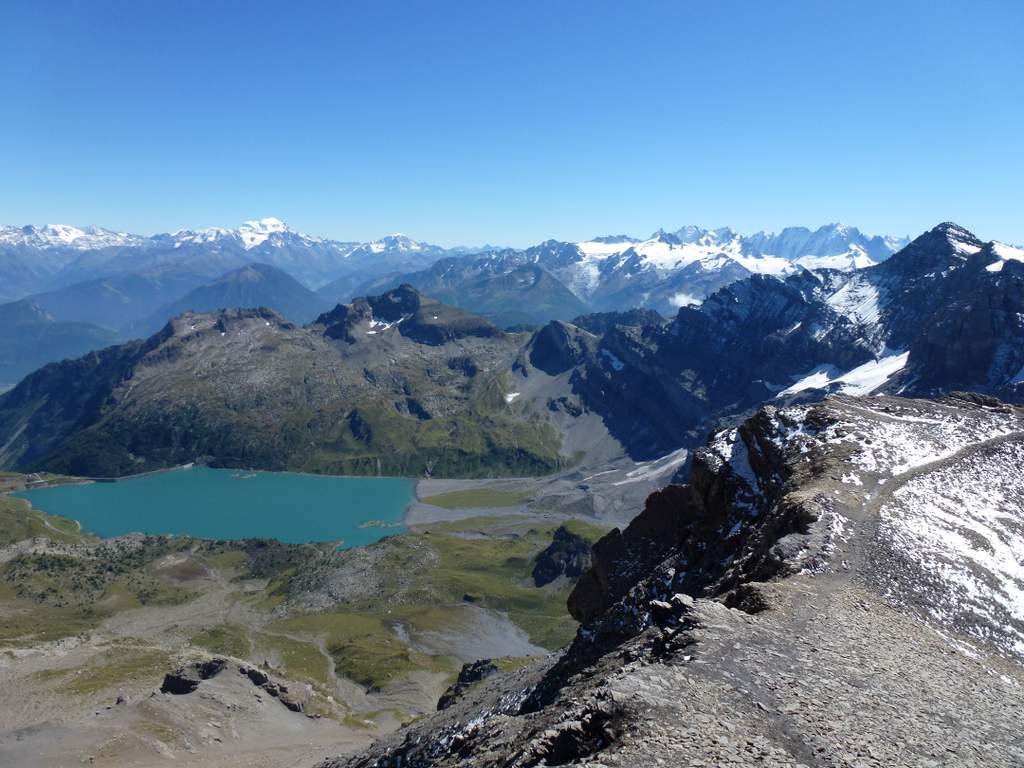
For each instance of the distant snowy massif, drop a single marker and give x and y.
(78, 289)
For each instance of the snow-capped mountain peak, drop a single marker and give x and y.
(963, 241)
(267, 225)
(256, 232)
(250, 234)
(51, 236)
(62, 233)
(395, 242)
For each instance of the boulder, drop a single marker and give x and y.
(186, 678)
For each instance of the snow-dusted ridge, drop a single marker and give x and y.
(52, 236)
(950, 533)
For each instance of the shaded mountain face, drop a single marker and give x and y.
(831, 579)
(944, 313)
(248, 287)
(380, 386)
(508, 288)
(30, 338)
(32, 257)
(119, 302)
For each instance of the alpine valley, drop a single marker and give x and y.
(700, 499)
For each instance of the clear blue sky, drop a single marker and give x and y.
(473, 122)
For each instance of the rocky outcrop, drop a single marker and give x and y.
(292, 697)
(339, 323)
(422, 319)
(567, 555)
(186, 679)
(473, 672)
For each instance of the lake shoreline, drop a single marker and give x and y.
(233, 504)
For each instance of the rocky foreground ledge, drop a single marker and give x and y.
(837, 585)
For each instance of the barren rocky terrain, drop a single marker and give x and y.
(799, 634)
(309, 650)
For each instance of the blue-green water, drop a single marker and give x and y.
(233, 504)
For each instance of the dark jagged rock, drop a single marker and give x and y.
(339, 322)
(360, 427)
(568, 555)
(472, 672)
(590, 729)
(180, 682)
(422, 319)
(186, 679)
(464, 364)
(698, 522)
(257, 676)
(558, 347)
(211, 668)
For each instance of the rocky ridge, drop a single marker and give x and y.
(769, 612)
(379, 386)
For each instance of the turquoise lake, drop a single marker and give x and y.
(233, 504)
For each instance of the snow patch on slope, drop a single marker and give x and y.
(891, 440)
(1004, 253)
(862, 380)
(963, 527)
(857, 300)
(728, 445)
(649, 470)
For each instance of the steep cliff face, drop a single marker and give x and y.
(833, 587)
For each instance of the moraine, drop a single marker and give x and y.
(234, 504)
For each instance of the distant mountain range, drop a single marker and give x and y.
(403, 383)
(57, 256)
(129, 284)
(114, 278)
(556, 280)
